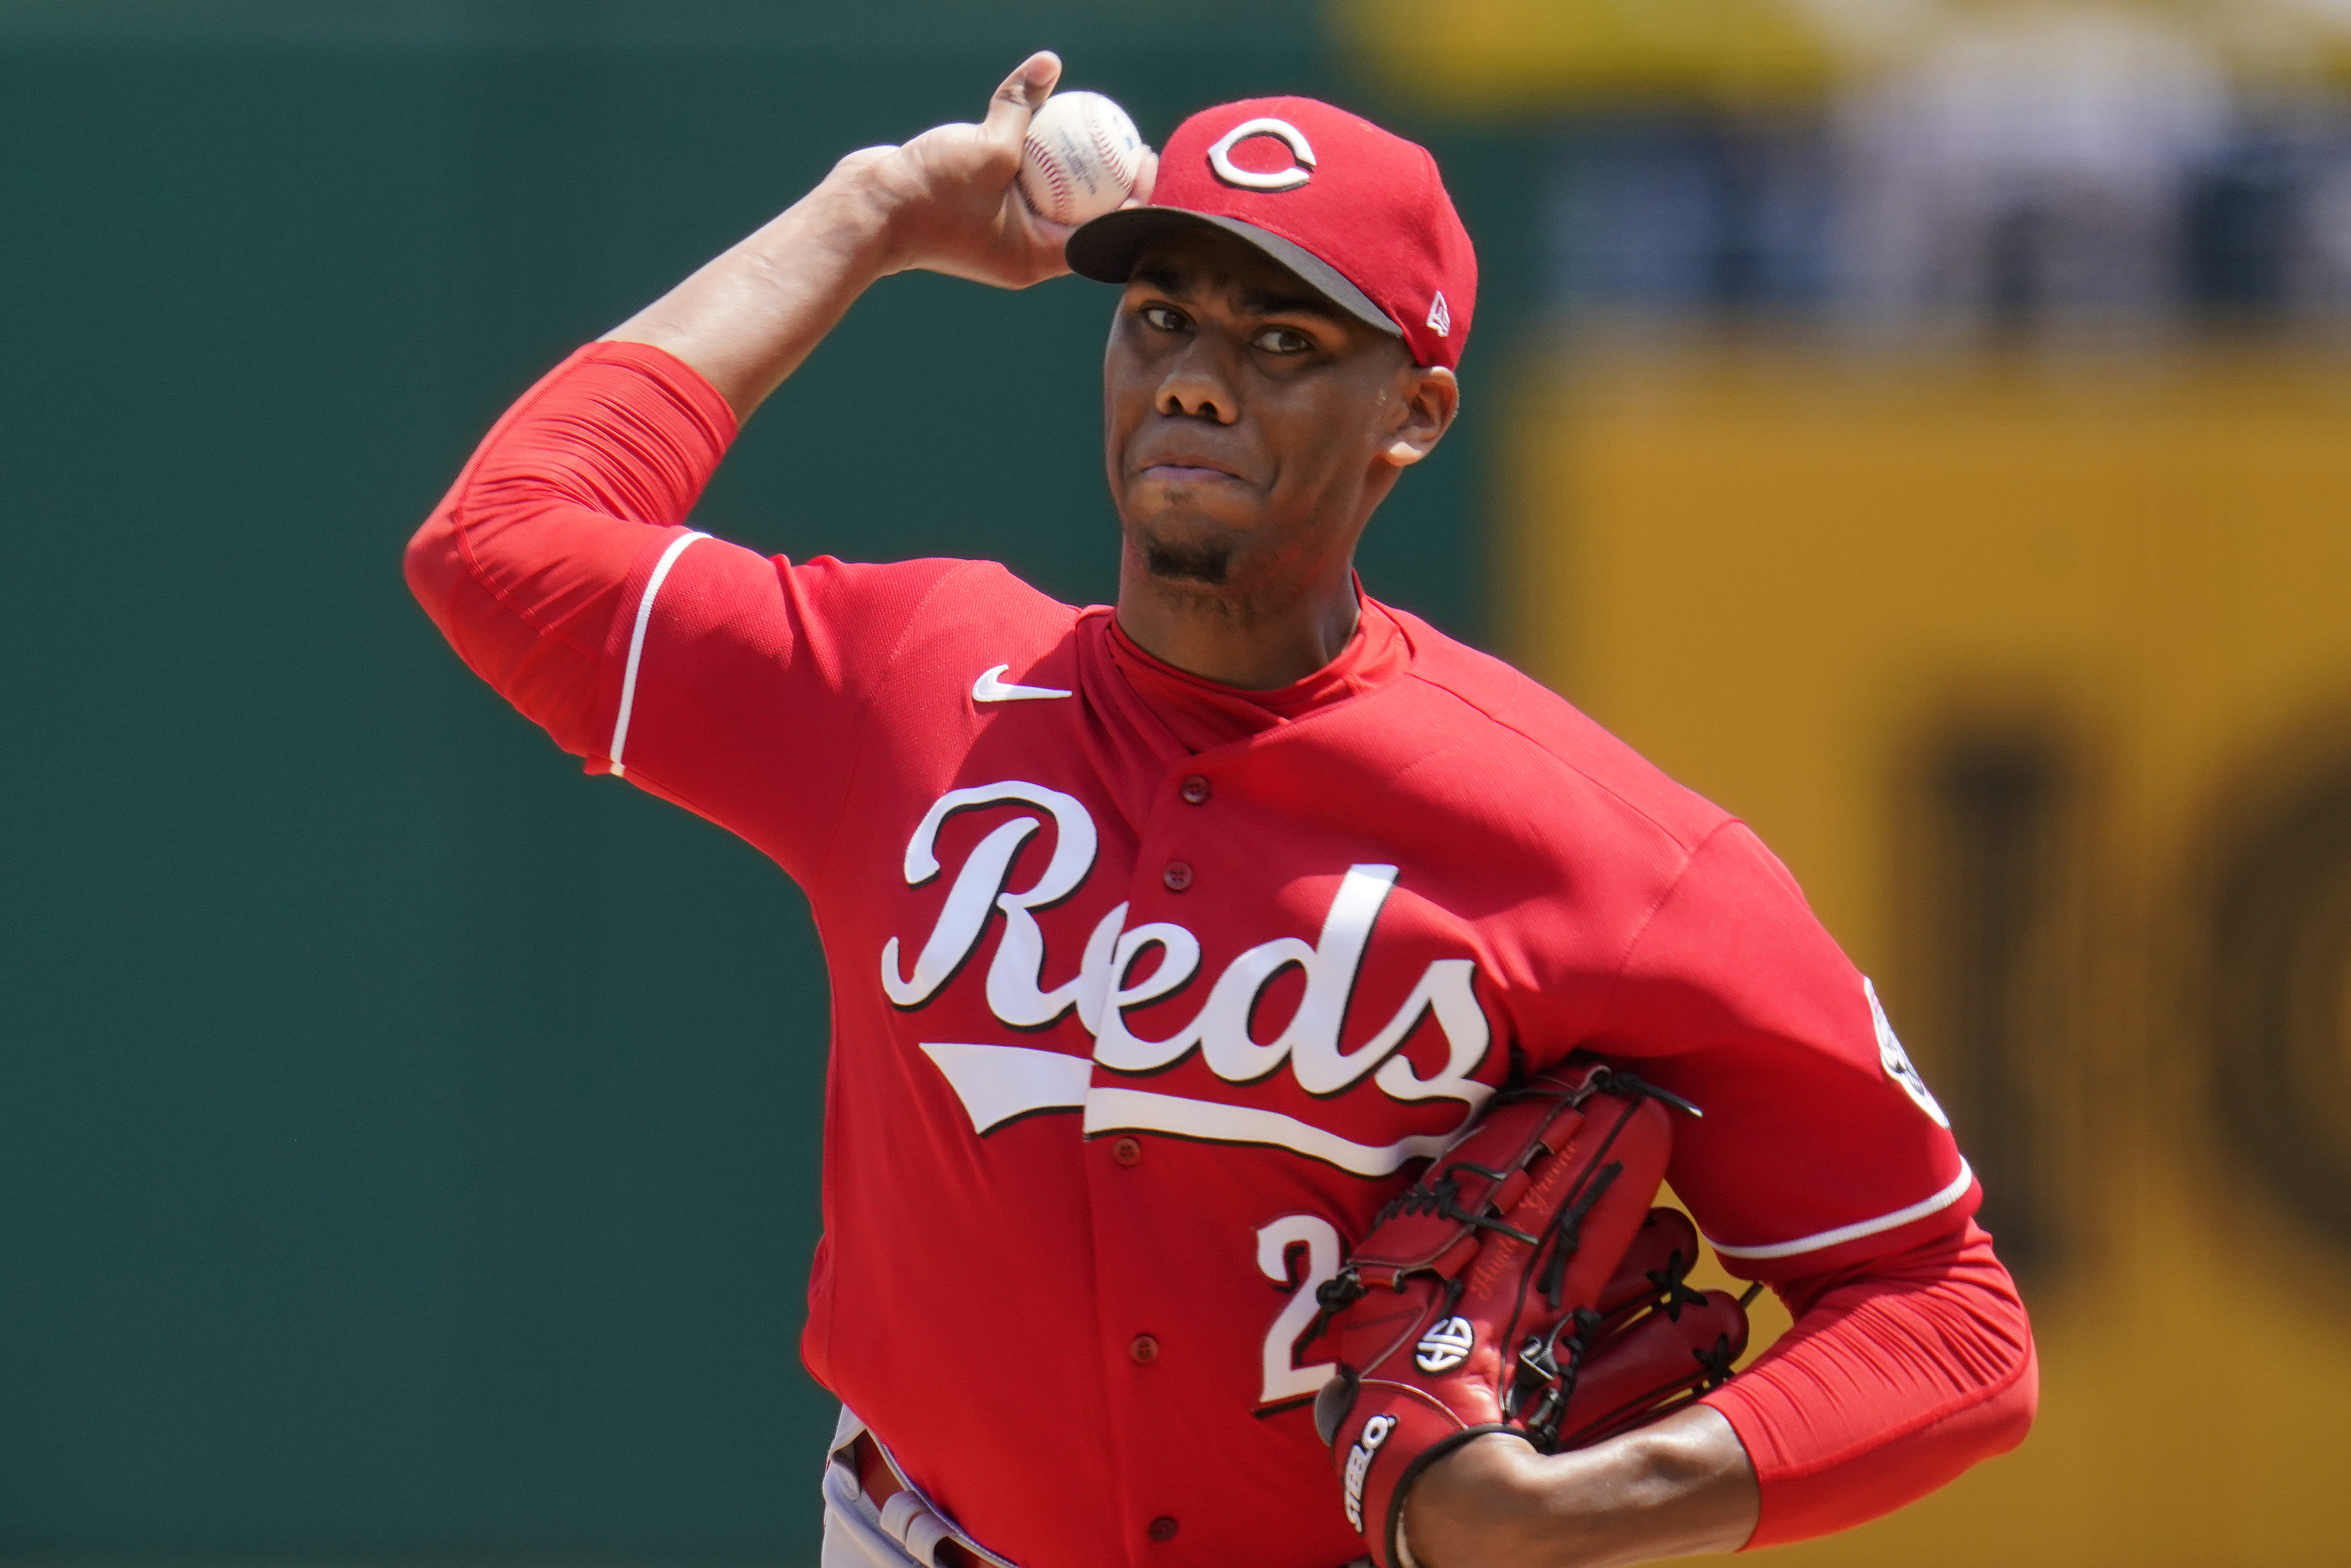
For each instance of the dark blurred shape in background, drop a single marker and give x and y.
(2013, 167)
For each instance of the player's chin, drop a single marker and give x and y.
(1199, 565)
(1186, 548)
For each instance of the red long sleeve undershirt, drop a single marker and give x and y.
(1900, 1373)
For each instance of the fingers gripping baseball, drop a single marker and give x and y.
(952, 192)
(1020, 95)
(1146, 180)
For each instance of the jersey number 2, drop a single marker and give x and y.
(1284, 1380)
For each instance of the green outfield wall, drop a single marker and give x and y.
(409, 1147)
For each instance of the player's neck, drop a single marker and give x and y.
(1250, 636)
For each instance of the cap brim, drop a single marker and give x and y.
(1107, 249)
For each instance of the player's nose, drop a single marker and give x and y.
(1197, 399)
(1193, 388)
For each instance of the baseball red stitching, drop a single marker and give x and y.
(1094, 132)
(1050, 166)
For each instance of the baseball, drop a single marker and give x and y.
(1080, 158)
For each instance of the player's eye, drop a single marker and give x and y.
(1282, 341)
(1163, 317)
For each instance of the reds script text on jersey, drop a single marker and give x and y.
(1131, 1039)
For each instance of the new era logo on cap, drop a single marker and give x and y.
(1357, 212)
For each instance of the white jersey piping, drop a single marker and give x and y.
(637, 645)
(1855, 1232)
(1124, 1110)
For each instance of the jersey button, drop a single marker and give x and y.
(1127, 1151)
(1177, 876)
(1195, 790)
(1164, 1528)
(1145, 1349)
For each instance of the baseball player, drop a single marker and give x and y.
(1168, 941)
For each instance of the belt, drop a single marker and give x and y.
(879, 1484)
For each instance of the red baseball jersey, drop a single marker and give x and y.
(1147, 994)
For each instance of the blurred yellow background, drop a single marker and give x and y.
(1795, 579)
(1490, 57)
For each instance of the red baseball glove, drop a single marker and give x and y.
(1524, 1285)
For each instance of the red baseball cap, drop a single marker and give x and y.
(1357, 212)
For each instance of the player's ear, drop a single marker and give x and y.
(1432, 398)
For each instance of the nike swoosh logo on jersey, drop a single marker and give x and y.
(989, 689)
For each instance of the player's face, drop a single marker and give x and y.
(1251, 425)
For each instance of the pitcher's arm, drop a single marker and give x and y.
(945, 202)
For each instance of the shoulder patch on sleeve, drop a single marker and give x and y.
(1897, 1060)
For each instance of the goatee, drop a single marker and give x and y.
(1200, 561)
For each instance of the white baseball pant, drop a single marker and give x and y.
(905, 1532)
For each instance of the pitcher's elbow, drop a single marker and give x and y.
(430, 564)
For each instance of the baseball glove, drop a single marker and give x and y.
(1524, 1285)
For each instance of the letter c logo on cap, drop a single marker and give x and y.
(1220, 156)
